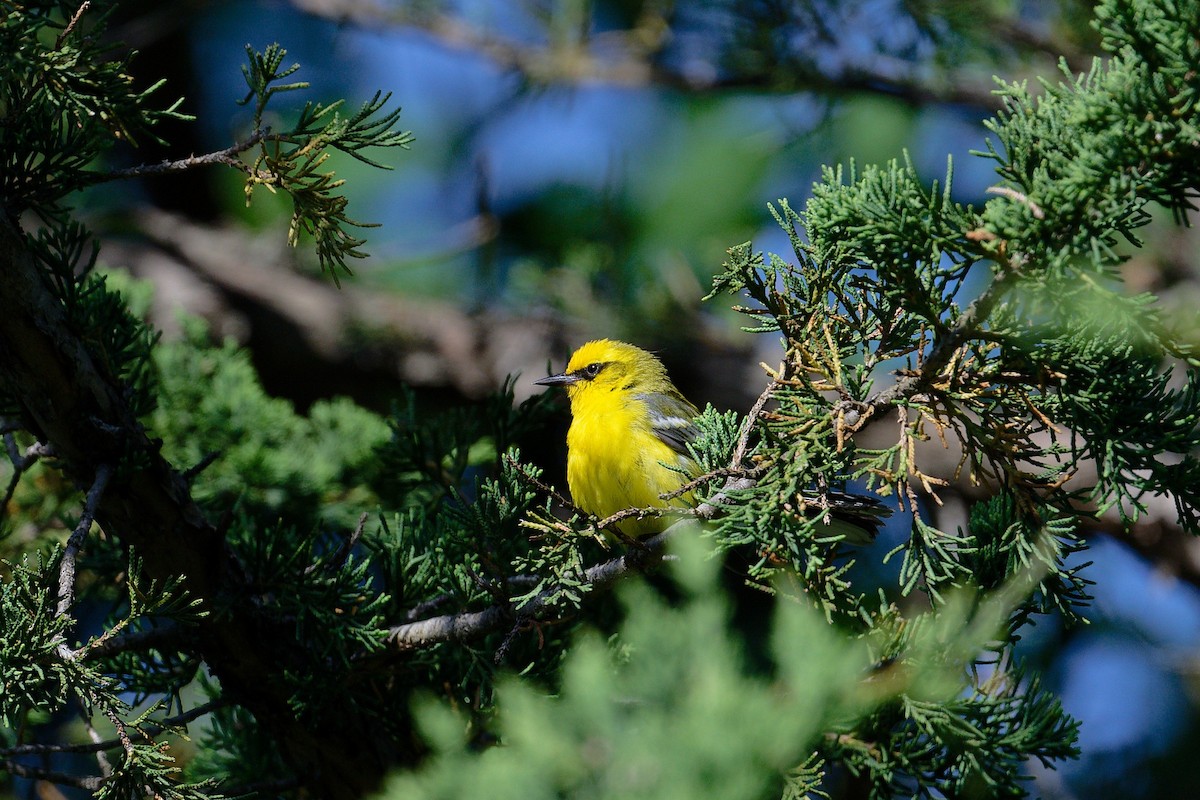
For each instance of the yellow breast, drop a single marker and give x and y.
(614, 461)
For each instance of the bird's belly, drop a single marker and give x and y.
(609, 473)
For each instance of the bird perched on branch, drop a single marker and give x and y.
(628, 442)
(630, 428)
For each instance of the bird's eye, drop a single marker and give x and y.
(592, 370)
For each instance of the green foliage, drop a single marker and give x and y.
(1046, 375)
(235, 750)
(31, 674)
(670, 708)
(432, 451)
(879, 274)
(673, 712)
(42, 675)
(66, 97)
(360, 567)
(149, 765)
(268, 459)
(293, 160)
(719, 435)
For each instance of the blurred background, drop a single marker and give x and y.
(579, 170)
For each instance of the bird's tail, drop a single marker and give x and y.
(853, 518)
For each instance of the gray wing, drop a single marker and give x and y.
(672, 419)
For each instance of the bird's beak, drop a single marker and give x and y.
(561, 379)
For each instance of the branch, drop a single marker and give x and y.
(144, 639)
(365, 337)
(965, 327)
(630, 58)
(102, 761)
(1013, 194)
(469, 625)
(147, 730)
(62, 37)
(20, 463)
(1024, 35)
(642, 556)
(750, 475)
(66, 569)
(743, 441)
(227, 157)
(541, 486)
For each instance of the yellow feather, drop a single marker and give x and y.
(615, 458)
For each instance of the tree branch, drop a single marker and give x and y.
(66, 569)
(469, 625)
(743, 440)
(150, 729)
(965, 327)
(227, 157)
(365, 337)
(642, 556)
(21, 463)
(630, 58)
(144, 639)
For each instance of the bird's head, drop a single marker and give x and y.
(609, 366)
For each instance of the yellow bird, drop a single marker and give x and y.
(628, 444)
(630, 428)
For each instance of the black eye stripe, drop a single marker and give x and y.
(591, 370)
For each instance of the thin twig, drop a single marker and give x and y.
(66, 570)
(147, 730)
(350, 541)
(497, 594)
(1013, 194)
(101, 757)
(650, 512)
(743, 442)
(108, 644)
(185, 717)
(227, 157)
(541, 486)
(79, 12)
(943, 350)
(41, 78)
(21, 465)
(191, 473)
(725, 472)
(347, 545)
(122, 734)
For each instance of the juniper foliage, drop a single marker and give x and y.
(318, 600)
